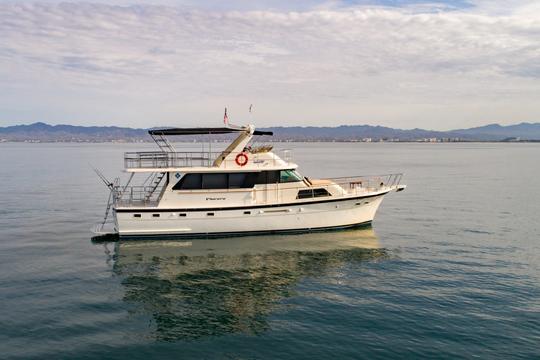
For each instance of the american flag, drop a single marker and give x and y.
(225, 118)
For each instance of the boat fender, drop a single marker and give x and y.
(241, 159)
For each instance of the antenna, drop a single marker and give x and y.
(107, 183)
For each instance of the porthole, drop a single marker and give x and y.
(155, 215)
(182, 215)
(209, 214)
(136, 215)
(247, 212)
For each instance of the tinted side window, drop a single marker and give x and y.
(214, 181)
(251, 179)
(320, 192)
(311, 193)
(226, 180)
(189, 182)
(263, 177)
(272, 177)
(237, 180)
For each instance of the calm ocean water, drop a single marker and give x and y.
(450, 268)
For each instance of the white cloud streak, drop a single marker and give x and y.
(403, 67)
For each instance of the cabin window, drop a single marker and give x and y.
(231, 180)
(189, 182)
(252, 179)
(214, 181)
(286, 176)
(312, 193)
(320, 192)
(261, 177)
(272, 177)
(237, 180)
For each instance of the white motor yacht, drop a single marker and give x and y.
(242, 190)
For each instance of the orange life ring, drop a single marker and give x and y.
(241, 159)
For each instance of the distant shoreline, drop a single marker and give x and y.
(278, 141)
(41, 132)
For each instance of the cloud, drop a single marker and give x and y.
(409, 54)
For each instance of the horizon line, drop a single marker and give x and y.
(277, 126)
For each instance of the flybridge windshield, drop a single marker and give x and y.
(235, 180)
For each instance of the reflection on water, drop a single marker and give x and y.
(209, 287)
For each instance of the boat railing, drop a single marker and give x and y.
(357, 185)
(368, 182)
(135, 196)
(163, 160)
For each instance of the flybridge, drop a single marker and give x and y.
(237, 156)
(205, 161)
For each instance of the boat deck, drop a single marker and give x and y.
(136, 196)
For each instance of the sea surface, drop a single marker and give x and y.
(449, 269)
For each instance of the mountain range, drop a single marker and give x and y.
(69, 133)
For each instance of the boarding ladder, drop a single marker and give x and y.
(113, 195)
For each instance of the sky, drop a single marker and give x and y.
(404, 64)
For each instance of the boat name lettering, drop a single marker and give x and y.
(215, 198)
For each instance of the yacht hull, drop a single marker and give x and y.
(247, 220)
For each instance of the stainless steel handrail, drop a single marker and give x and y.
(136, 196)
(161, 160)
